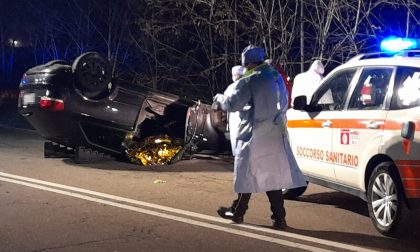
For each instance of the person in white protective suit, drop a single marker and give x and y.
(233, 117)
(306, 83)
(264, 161)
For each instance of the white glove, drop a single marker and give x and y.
(217, 99)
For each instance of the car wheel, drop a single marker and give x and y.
(188, 125)
(194, 125)
(218, 120)
(92, 74)
(85, 155)
(386, 199)
(53, 150)
(292, 194)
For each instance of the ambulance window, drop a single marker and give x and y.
(371, 89)
(331, 95)
(407, 88)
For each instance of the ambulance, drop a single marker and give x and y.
(360, 132)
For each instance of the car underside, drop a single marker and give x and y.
(79, 108)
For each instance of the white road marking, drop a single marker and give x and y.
(39, 184)
(170, 217)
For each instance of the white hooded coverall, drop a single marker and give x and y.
(306, 83)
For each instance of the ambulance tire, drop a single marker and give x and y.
(384, 176)
(294, 193)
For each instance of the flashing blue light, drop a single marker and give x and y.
(394, 44)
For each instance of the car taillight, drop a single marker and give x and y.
(51, 104)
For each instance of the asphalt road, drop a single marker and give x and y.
(57, 205)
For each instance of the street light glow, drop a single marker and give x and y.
(14, 42)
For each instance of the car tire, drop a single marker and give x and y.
(386, 203)
(218, 120)
(92, 74)
(194, 126)
(85, 155)
(53, 150)
(294, 193)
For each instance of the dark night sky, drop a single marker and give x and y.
(47, 29)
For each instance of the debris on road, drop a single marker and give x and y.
(159, 181)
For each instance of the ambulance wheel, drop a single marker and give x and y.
(386, 199)
(292, 194)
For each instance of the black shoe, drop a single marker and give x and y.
(226, 213)
(279, 224)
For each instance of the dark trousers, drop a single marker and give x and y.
(240, 205)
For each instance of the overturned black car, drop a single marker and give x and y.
(82, 111)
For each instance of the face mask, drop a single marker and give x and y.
(236, 77)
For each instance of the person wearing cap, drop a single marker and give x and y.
(307, 83)
(264, 161)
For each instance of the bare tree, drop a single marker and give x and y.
(189, 46)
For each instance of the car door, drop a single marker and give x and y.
(401, 141)
(310, 130)
(357, 131)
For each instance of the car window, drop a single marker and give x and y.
(331, 95)
(371, 89)
(407, 88)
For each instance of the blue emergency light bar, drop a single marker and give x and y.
(394, 44)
